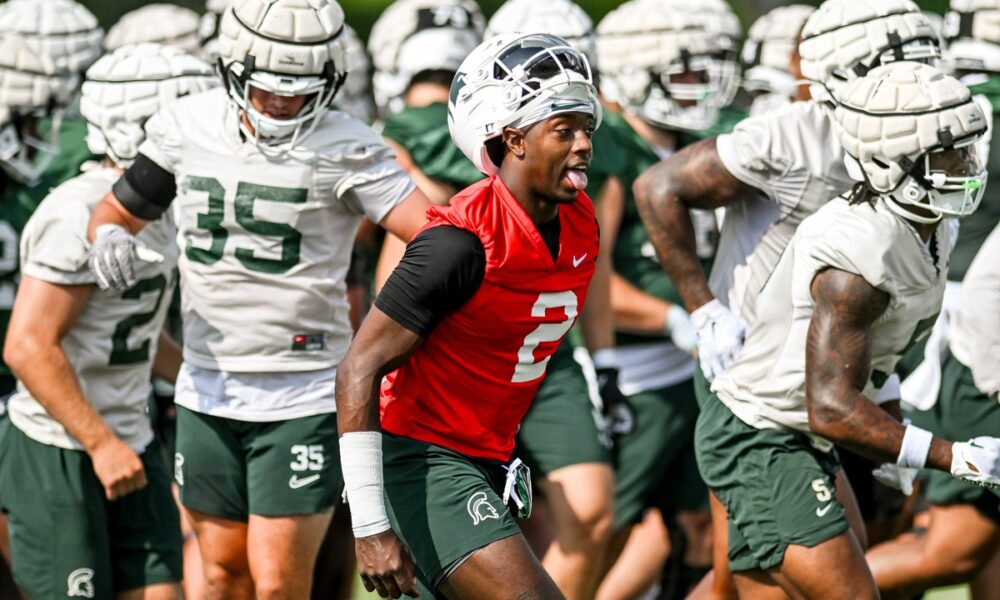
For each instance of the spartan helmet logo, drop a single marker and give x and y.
(480, 508)
(80, 583)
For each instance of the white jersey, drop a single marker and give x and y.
(793, 156)
(765, 387)
(975, 334)
(113, 343)
(266, 240)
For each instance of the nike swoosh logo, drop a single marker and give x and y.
(578, 260)
(295, 483)
(822, 511)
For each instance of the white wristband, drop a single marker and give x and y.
(361, 462)
(916, 446)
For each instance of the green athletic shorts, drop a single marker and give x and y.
(559, 429)
(442, 504)
(777, 489)
(962, 412)
(654, 463)
(67, 539)
(232, 469)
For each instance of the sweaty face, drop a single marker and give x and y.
(557, 154)
(275, 106)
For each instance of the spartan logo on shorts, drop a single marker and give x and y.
(480, 508)
(80, 583)
(179, 468)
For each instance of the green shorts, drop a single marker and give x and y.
(232, 469)
(777, 489)
(67, 539)
(961, 413)
(559, 429)
(442, 504)
(654, 463)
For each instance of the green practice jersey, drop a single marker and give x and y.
(423, 133)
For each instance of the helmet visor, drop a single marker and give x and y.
(957, 178)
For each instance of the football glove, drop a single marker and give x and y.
(977, 460)
(896, 477)
(680, 329)
(619, 417)
(720, 337)
(112, 257)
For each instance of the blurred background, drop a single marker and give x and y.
(362, 13)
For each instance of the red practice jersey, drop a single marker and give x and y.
(470, 384)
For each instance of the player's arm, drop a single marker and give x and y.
(43, 313)
(169, 357)
(142, 194)
(694, 178)
(838, 366)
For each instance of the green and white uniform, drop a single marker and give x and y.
(265, 248)
(18, 202)
(654, 374)
(743, 459)
(62, 527)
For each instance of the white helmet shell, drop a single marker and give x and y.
(355, 96)
(972, 31)
(208, 29)
(412, 36)
(515, 80)
(771, 43)
(563, 18)
(890, 120)
(126, 87)
(285, 47)
(63, 30)
(167, 24)
(844, 39)
(642, 43)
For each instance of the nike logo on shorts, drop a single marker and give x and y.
(295, 482)
(822, 511)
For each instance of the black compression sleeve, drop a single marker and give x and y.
(146, 189)
(441, 269)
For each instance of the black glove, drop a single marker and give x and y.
(618, 413)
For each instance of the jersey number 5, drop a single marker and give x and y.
(527, 368)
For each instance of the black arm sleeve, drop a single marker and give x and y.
(441, 269)
(146, 189)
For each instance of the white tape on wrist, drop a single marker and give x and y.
(916, 447)
(361, 462)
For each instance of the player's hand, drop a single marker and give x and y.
(977, 460)
(896, 477)
(118, 468)
(619, 418)
(680, 329)
(112, 257)
(720, 337)
(385, 565)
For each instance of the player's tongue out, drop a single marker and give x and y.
(577, 178)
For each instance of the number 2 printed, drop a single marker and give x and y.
(527, 368)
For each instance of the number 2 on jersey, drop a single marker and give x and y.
(121, 354)
(527, 368)
(246, 195)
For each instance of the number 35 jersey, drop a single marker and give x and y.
(470, 384)
(265, 237)
(113, 342)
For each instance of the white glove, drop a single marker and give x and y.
(977, 460)
(680, 329)
(112, 256)
(720, 337)
(896, 477)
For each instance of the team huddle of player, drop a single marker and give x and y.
(723, 309)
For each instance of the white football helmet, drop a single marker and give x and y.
(413, 36)
(844, 39)
(515, 80)
(287, 48)
(63, 30)
(30, 87)
(157, 23)
(767, 53)
(563, 18)
(972, 31)
(661, 62)
(355, 96)
(910, 134)
(722, 21)
(126, 87)
(208, 29)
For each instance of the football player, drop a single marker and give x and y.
(85, 486)
(470, 318)
(270, 187)
(860, 281)
(770, 58)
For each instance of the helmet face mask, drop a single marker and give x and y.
(23, 155)
(948, 182)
